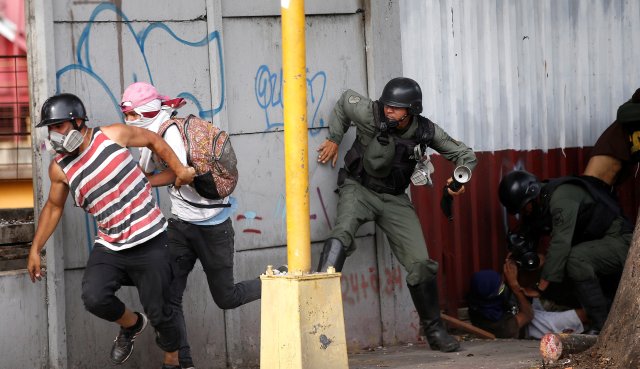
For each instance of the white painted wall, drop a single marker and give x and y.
(522, 74)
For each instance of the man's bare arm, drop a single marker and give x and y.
(129, 136)
(48, 219)
(525, 315)
(166, 177)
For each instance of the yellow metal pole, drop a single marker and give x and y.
(295, 136)
(302, 323)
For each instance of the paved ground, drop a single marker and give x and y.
(474, 354)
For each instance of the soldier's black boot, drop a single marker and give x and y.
(594, 302)
(333, 254)
(425, 299)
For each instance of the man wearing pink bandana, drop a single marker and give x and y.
(200, 228)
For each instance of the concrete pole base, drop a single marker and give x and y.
(302, 322)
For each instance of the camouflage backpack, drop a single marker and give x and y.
(209, 151)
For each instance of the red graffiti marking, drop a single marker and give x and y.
(373, 280)
(357, 287)
(252, 230)
(394, 279)
(249, 230)
(242, 216)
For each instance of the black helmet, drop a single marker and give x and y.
(517, 189)
(60, 108)
(403, 92)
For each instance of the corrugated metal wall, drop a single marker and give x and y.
(527, 84)
(522, 74)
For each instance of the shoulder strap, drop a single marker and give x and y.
(378, 113)
(181, 124)
(597, 192)
(168, 123)
(426, 130)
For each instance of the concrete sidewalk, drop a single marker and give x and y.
(473, 354)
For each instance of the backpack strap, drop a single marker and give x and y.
(168, 123)
(378, 113)
(181, 124)
(203, 206)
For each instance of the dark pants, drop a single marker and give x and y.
(213, 245)
(145, 266)
(396, 216)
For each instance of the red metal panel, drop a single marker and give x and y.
(475, 239)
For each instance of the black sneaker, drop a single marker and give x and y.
(123, 344)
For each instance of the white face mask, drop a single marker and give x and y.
(65, 144)
(151, 124)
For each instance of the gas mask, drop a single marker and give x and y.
(424, 168)
(67, 143)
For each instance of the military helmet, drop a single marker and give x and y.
(60, 108)
(517, 188)
(402, 92)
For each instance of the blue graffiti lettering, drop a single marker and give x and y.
(83, 57)
(268, 91)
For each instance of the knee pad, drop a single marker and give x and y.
(421, 272)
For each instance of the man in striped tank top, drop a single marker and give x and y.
(94, 165)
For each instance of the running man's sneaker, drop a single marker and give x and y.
(123, 344)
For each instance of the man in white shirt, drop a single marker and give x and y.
(200, 228)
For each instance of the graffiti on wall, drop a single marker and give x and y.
(358, 287)
(88, 52)
(88, 64)
(250, 220)
(268, 92)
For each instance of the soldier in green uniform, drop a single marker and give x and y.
(391, 138)
(589, 240)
